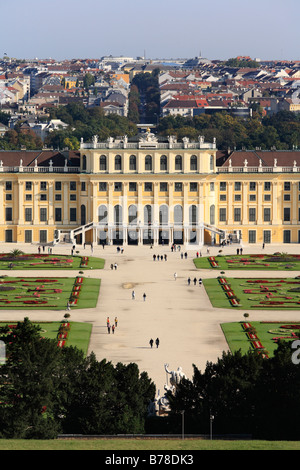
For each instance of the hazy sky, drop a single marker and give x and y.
(218, 29)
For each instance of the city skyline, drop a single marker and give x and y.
(162, 30)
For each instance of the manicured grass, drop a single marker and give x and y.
(237, 337)
(42, 292)
(147, 445)
(78, 335)
(275, 293)
(46, 261)
(254, 262)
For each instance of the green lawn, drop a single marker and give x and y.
(44, 261)
(78, 335)
(47, 293)
(274, 293)
(258, 262)
(147, 445)
(237, 337)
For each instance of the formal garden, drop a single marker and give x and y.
(65, 333)
(268, 262)
(247, 293)
(17, 260)
(260, 336)
(18, 293)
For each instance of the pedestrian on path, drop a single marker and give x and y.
(133, 295)
(144, 297)
(116, 322)
(195, 281)
(108, 328)
(151, 342)
(175, 276)
(189, 281)
(157, 342)
(113, 329)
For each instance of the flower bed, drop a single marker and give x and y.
(62, 335)
(213, 262)
(84, 262)
(76, 290)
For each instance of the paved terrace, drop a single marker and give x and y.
(181, 316)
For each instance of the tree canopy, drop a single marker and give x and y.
(46, 390)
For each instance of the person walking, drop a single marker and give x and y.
(189, 281)
(116, 322)
(175, 276)
(195, 281)
(151, 342)
(133, 295)
(144, 297)
(108, 328)
(113, 329)
(157, 342)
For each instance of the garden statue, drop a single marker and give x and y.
(176, 376)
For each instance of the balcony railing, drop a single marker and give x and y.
(39, 169)
(259, 169)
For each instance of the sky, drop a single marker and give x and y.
(156, 29)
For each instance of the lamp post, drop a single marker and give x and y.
(211, 418)
(182, 424)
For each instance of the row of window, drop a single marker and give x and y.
(43, 214)
(148, 214)
(73, 185)
(237, 214)
(267, 236)
(253, 186)
(148, 163)
(44, 185)
(252, 197)
(251, 236)
(148, 186)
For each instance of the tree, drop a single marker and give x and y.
(45, 390)
(28, 383)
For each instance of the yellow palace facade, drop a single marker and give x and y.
(149, 191)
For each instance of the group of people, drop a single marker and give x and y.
(194, 281)
(133, 296)
(159, 257)
(156, 342)
(113, 326)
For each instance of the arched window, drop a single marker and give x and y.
(163, 215)
(84, 163)
(193, 215)
(178, 215)
(102, 215)
(103, 165)
(148, 163)
(132, 162)
(212, 215)
(147, 214)
(178, 162)
(211, 162)
(118, 163)
(163, 163)
(193, 163)
(118, 215)
(132, 214)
